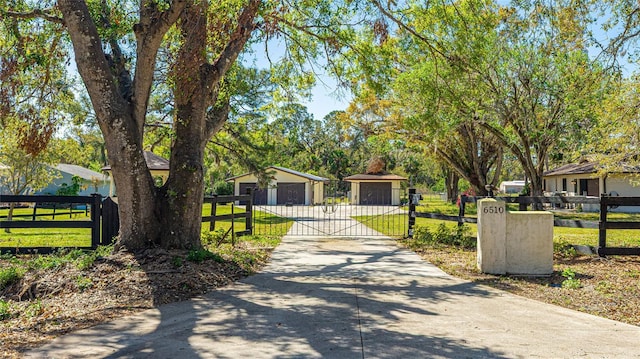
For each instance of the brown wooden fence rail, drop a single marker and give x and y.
(246, 199)
(104, 221)
(93, 201)
(525, 201)
(605, 202)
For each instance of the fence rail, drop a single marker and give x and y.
(247, 199)
(606, 204)
(94, 223)
(104, 221)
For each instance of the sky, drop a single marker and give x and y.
(326, 97)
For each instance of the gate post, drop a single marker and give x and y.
(249, 212)
(462, 209)
(96, 217)
(110, 220)
(214, 212)
(602, 225)
(412, 210)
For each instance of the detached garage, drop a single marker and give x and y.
(376, 189)
(285, 187)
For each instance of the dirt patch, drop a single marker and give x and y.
(47, 303)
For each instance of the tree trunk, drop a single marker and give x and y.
(12, 206)
(451, 182)
(139, 225)
(537, 190)
(170, 216)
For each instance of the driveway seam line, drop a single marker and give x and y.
(355, 287)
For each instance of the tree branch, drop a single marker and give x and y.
(35, 14)
(238, 39)
(150, 30)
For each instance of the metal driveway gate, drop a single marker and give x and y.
(335, 216)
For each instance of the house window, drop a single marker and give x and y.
(564, 184)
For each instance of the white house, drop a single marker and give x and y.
(90, 181)
(375, 189)
(585, 179)
(285, 186)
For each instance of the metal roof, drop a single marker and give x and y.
(573, 169)
(287, 170)
(588, 167)
(375, 177)
(81, 172)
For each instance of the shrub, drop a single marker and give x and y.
(564, 249)
(445, 235)
(571, 282)
(215, 237)
(422, 235)
(200, 255)
(9, 276)
(5, 310)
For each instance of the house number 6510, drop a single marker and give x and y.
(493, 210)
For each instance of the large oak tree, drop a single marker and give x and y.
(117, 47)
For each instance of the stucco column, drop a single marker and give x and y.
(492, 232)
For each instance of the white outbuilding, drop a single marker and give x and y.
(376, 189)
(284, 187)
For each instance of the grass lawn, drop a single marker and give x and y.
(264, 223)
(46, 237)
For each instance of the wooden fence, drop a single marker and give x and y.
(605, 202)
(246, 199)
(104, 220)
(93, 202)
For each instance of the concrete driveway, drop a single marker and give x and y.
(352, 298)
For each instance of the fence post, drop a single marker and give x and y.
(214, 209)
(110, 220)
(522, 206)
(96, 217)
(602, 225)
(249, 212)
(463, 203)
(413, 200)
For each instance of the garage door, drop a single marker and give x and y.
(259, 195)
(290, 193)
(378, 193)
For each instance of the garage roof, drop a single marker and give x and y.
(287, 170)
(375, 177)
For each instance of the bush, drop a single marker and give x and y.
(422, 235)
(215, 237)
(200, 255)
(9, 276)
(564, 249)
(458, 236)
(5, 310)
(223, 188)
